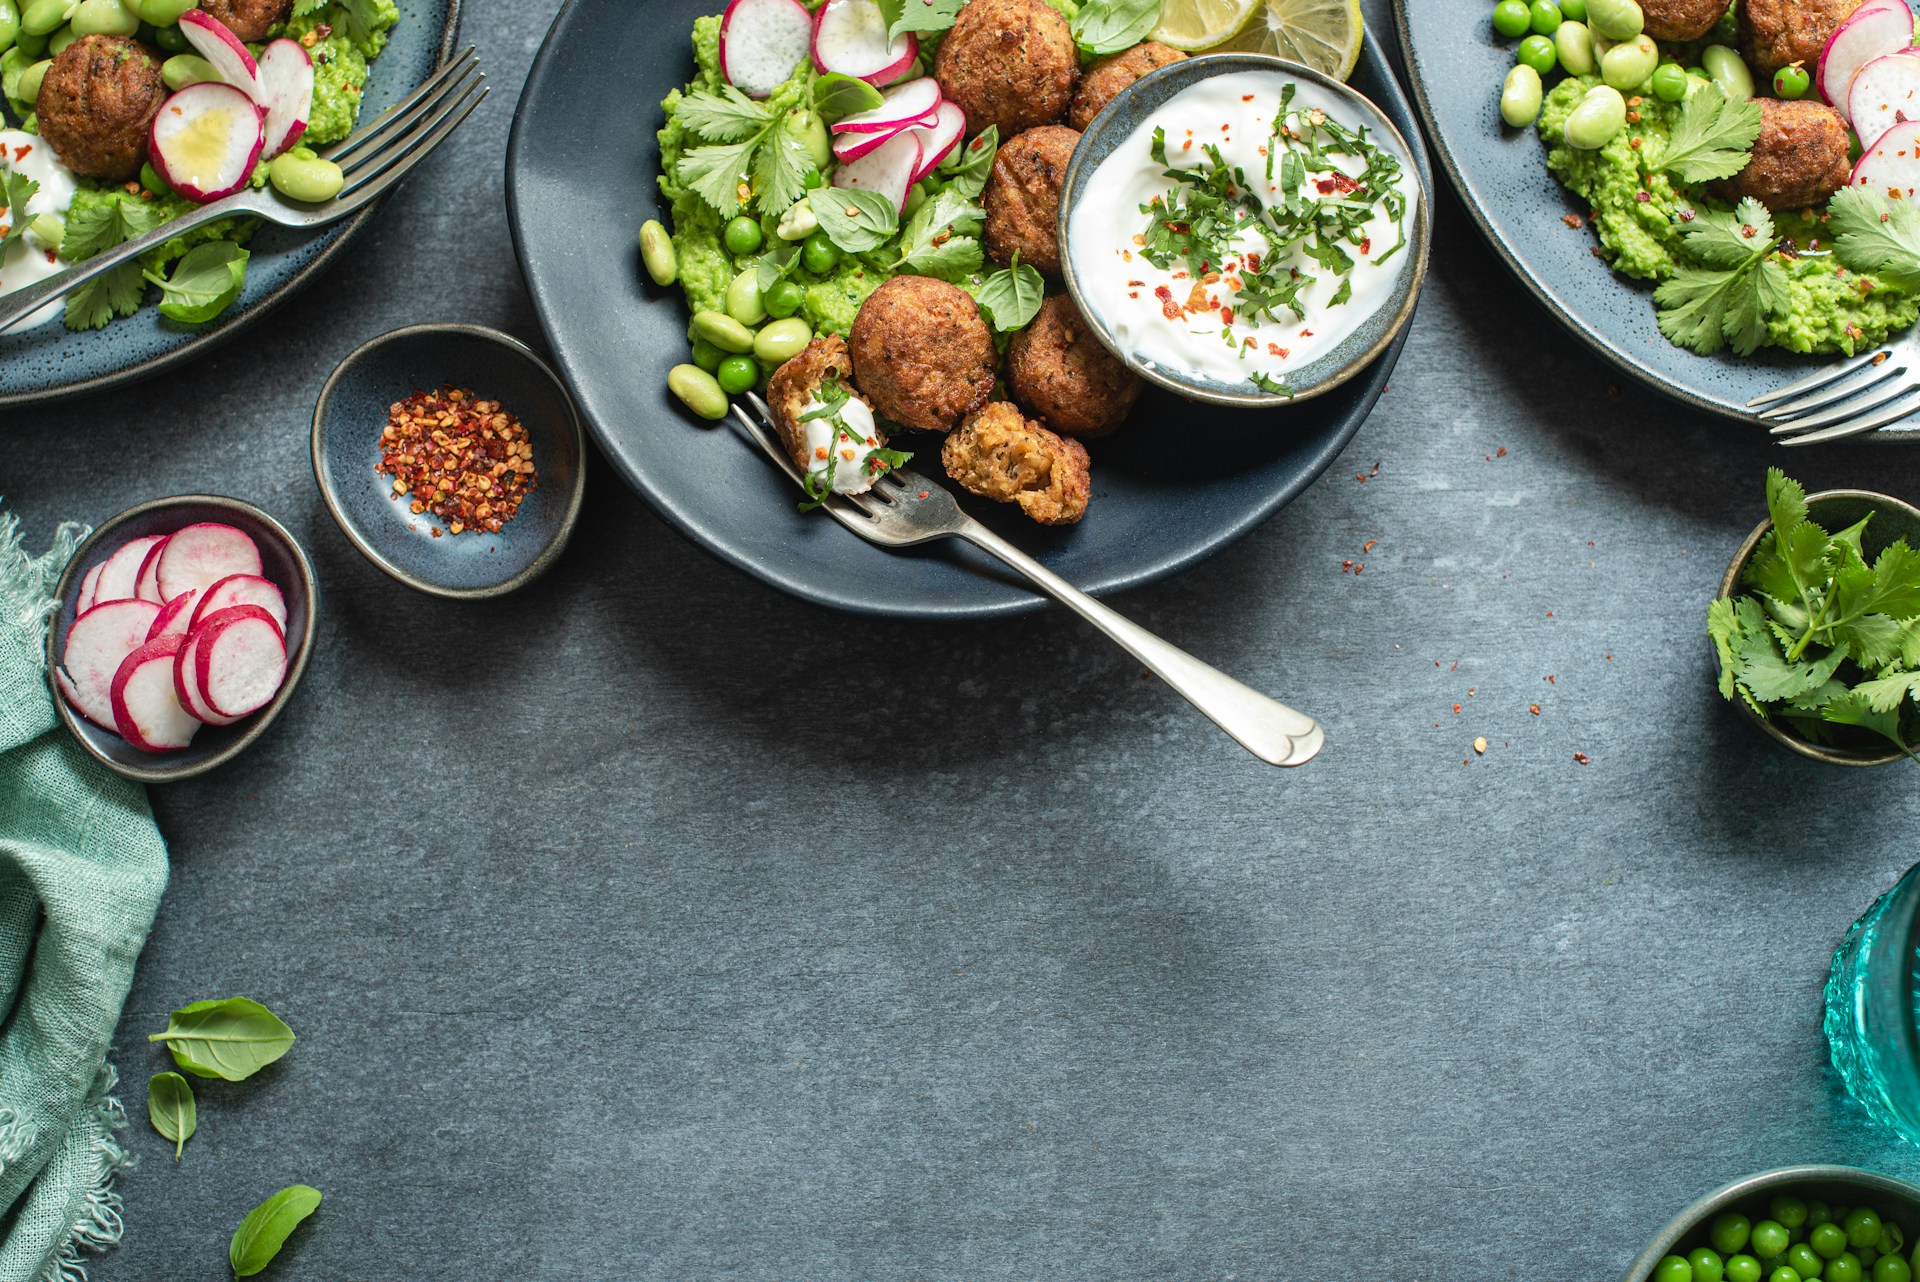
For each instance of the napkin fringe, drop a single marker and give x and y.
(97, 1224)
(26, 582)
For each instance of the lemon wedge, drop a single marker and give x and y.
(1193, 25)
(1324, 34)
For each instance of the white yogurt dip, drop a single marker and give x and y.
(27, 258)
(848, 442)
(1250, 284)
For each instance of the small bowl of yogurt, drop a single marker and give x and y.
(1243, 230)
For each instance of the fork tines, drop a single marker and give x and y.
(379, 154)
(1845, 400)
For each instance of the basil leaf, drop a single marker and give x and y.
(205, 282)
(1108, 26)
(1012, 296)
(837, 94)
(171, 1109)
(264, 1231)
(231, 1039)
(918, 15)
(969, 166)
(855, 221)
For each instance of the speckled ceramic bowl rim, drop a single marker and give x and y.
(258, 723)
(1730, 582)
(1411, 282)
(195, 346)
(568, 520)
(1780, 1177)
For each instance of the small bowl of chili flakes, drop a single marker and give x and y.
(452, 457)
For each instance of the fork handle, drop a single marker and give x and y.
(17, 305)
(1269, 729)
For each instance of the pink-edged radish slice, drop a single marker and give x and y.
(120, 573)
(175, 616)
(1885, 92)
(1892, 164)
(213, 40)
(850, 147)
(88, 582)
(888, 169)
(904, 104)
(938, 141)
(205, 139)
(1874, 30)
(199, 556)
(97, 643)
(146, 585)
(286, 84)
(186, 684)
(241, 589)
(146, 710)
(239, 660)
(762, 42)
(850, 37)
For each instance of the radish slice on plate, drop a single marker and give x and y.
(1875, 29)
(241, 589)
(146, 585)
(213, 40)
(761, 42)
(240, 659)
(175, 616)
(205, 140)
(1885, 92)
(146, 710)
(850, 147)
(186, 684)
(286, 84)
(850, 37)
(1892, 162)
(198, 556)
(97, 643)
(938, 141)
(88, 582)
(888, 169)
(914, 102)
(120, 573)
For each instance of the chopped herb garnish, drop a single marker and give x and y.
(877, 459)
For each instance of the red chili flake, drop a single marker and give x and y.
(1534, 708)
(1306, 333)
(1274, 349)
(924, 493)
(1574, 221)
(1643, 196)
(1366, 245)
(1187, 145)
(1501, 452)
(1686, 215)
(1456, 709)
(1583, 758)
(1168, 308)
(1368, 547)
(1226, 315)
(468, 461)
(20, 152)
(1359, 566)
(1246, 97)
(1346, 567)
(1549, 678)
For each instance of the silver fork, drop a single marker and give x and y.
(374, 159)
(1846, 400)
(904, 508)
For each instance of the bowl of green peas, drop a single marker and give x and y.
(1794, 1224)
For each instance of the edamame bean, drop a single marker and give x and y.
(1512, 18)
(1536, 52)
(9, 23)
(811, 132)
(1669, 82)
(744, 303)
(782, 340)
(1726, 69)
(104, 18)
(698, 390)
(43, 17)
(1616, 19)
(737, 374)
(185, 69)
(161, 13)
(48, 230)
(1573, 44)
(723, 331)
(30, 45)
(657, 253)
(31, 78)
(706, 355)
(799, 222)
(61, 39)
(1592, 124)
(1573, 10)
(742, 236)
(1628, 64)
(1520, 97)
(300, 174)
(1543, 16)
(1673, 1268)
(783, 299)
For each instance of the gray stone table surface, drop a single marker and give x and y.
(612, 957)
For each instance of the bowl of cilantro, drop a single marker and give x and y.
(1817, 633)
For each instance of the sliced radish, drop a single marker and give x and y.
(205, 139)
(198, 556)
(761, 42)
(146, 585)
(888, 169)
(186, 684)
(286, 83)
(240, 660)
(213, 40)
(146, 710)
(120, 573)
(1875, 29)
(904, 104)
(850, 37)
(175, 616)
(241, 589)
(938, 141)
(850, 147)
(88, 582)
(97, 643)
(1885, 92)
(1892, 164)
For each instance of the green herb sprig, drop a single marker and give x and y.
(267, 1227)
(1712, 137)
(1728, 300)
(1875, 233)
(171, 1109)
(747, 146)
(233, 1038)
(205, 282)
(854, 220)
(1011, 297)
(924, 16)
(1102, 27)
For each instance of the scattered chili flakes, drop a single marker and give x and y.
(1368, 545)
(1534, 708)
(1501, 452)
(1456, 709)
(1583, 758)
(1549, 677)
(466, 460)
(1574, 221)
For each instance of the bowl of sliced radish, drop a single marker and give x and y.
(184, 625)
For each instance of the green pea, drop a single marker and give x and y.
(698, 390)
(782, 340)
(1573, 10)
(1802, 1260)
(1818, 1213)
(1786, 1209)
(1544, 16)
(1891, 1268)
(1862, 1226)
(916, 197)
(48, 230)
(1627, 65)
(1729, 1232)
(737, 374)
(1725, 69)
(161, 13)
(1827, 1239)
(1669, 82)
(185, 69)
(783, 299)
(1844, 1267)
(1673, 1268)
(810, 131)
(1707, 1264)
(1512, 18)
(1769, 1236)
(301, 175)
(1616, 19)
(1573, 44)
(742, 236)
(706, 355)
(9, 23)
(1783, 1274)
(172, 40)
(151, 180)
(815, 179)
(104, 18)
(43, 17)
(1591, 125)
(1791, 82)
(657, 253)
(1892, 1238)
(744, 303)
(1520, 96)
(723, 331)
(1866, 1255)
(819, 255)
(1536, 52)
(32, 78)
(60, 40)
(1743, 1268)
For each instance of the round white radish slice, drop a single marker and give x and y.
(186, 684)
(286, 86)
(850, 147)
(175, 616)
(146, 584)
(88, 583)
(96, 644)
(762, 42)
(241, 589)
(1875, 29)
(1892, 164)
(850, 37)
(905, 104)
(887, 169)
(205, 139)
(213, 40)
(120, 573)
(1885, 92)
(938, 141)
(146, 710)
(198, 556)
(240, 660)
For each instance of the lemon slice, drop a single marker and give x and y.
(1193, 25)
(1323, 34)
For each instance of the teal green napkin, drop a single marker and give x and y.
(81, 871)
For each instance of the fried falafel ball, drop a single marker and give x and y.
(1010, 63)
(96, 104)
(1799, 159)
(998, 454)
(1779, 33)
(1107, 77)
(796, 385)
(1023, 197)
(250, 20)
(1059, 373)
(921, 353)
(1681, 19)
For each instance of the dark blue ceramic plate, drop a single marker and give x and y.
(580, 180)
(50, 362)
(346, 434)
(1456, 63)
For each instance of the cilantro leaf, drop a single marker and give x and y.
(307, 8)
(1853, 709)
(1767, 674)
(114, 220)
(365, 23)
(18, 190)
(1730, 242)
(728, 116)
(1722, 628)
(1786, 501)
(780, 171)
(1108, 26)
(1875, 234)
(1729, 300)
(1896, 582)
(116, 292)
(919, 15)
(1011, 297)
(1712, 137)
(1884, 694)
(969, 166)
(717, 173)
(1872, 639)
(855, 221)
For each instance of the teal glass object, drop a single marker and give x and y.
(1872, 1023)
